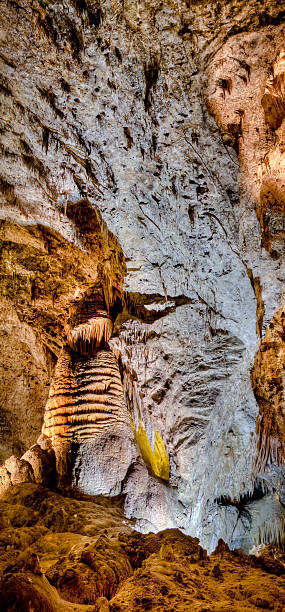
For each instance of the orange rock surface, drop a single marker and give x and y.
(59, 553)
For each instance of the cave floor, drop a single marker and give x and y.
(59, 553)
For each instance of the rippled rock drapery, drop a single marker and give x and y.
(154, 116)
(85, 415)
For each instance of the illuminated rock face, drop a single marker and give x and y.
(245, 94)
(138, 139)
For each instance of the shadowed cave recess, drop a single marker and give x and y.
(142, 312)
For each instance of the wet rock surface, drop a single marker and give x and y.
(59, 553)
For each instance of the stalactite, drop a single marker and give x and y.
(156, 459)
(268, 522)
(86, 338)
(270, 450)
(90, 325)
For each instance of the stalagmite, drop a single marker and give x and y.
(85, 415)
(93, 393)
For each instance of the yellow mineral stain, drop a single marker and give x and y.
(157, 459)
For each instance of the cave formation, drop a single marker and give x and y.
(142, 312)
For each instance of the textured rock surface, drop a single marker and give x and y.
(59, 554)
(24, 382)
(143, 113)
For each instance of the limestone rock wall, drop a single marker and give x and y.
(151, 115)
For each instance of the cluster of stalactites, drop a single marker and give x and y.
(268, 521)
(270, 449)
(86, 394)
(271, 533)
(269, 388)
(90, 325)
(86, 338)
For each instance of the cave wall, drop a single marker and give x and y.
(152, 115)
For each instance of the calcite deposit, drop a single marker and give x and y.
(60, 554)
(142, 231)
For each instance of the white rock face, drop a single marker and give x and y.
(101, 465)
(117, 112)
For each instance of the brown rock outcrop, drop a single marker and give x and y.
(25, 371)
(38, 464)
(61, 554)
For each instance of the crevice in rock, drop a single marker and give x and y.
(151, 73)
(135, 306)
(259, 490)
